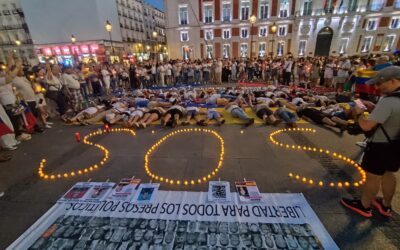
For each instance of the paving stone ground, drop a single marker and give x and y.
(248, 155)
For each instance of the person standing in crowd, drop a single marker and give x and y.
(328, 73)
(73, 88)
(161, 73)
(93, 78)
(385, 141)
(53, 74)
(218, 72)
(287, 71)
(344, 67)
(133, 76)
(234, 70)
(105, 73)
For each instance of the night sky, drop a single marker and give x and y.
(157, 3)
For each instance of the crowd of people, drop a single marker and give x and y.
(87, 93)
(178, 93)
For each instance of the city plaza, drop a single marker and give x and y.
(301, 171)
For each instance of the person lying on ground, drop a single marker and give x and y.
(192, 112)
(320, 118)
(263, 111)
(213, 114)
(154, 114)
(286, 115)
(235, 109)
(173, 116)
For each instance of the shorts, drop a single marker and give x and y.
(314, 115)
(155, 111)
(342, 115)
(263, 112)
(174, 112)
(137, 113)
(192, 113)
(213, 115)
(142, 104)
(374, 163)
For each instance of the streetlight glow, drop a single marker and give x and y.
(155, 34)
(18, 42)
(253, 19)
(108, 26)
(73, 39)
(274, 28)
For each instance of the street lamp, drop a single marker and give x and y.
(108, 27)
(18, 42)
(73, 40)
(273, 30)
(252, 20)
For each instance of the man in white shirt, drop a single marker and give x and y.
(218, 72)
(287, 71)
(74, 89)
(343, 73)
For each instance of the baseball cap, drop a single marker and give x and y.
(386, 74)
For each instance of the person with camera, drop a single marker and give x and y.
(382, 153)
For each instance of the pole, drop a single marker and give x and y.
(251, 41)
(112, 46)
(273, 41)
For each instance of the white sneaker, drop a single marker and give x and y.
(49, 123)
(24, 137)
(17, 143)
(1, 194)
(361, 144)
(10, 148)
(47, 126)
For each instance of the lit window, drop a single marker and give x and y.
(280, 49)
(366, 44)
(262, 47)
(282, 29)
(209, 35)
(284, 8)
(302, 47)
(208, 13)
(184, 36)
(371, 25)
(376, 5)
(343, 45)
(226, 11)
(226, 51)
(263, 32)
(243, 49)
(264, 6)
(388, 44)
(244, 32)
(395, 23)
(226, 33)
(183, 15)
(244, 10)
(185, 52)
(209, 51)
(352, 6)
(307, 8)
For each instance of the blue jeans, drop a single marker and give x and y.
(196, 76)
(239, 113)
(287, 116)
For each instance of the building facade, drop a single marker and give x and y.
(74, 30)
(240, 28)
(14, 32)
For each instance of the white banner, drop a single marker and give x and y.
(180, 220)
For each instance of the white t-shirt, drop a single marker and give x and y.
(7, 96)
(71, 82)
(54, 83)
(25, 88)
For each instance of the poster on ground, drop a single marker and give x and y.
(219, 191)
(248, 191)
(180, 220)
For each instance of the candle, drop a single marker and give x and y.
(77, 137)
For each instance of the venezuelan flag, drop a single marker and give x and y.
(362, 77)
